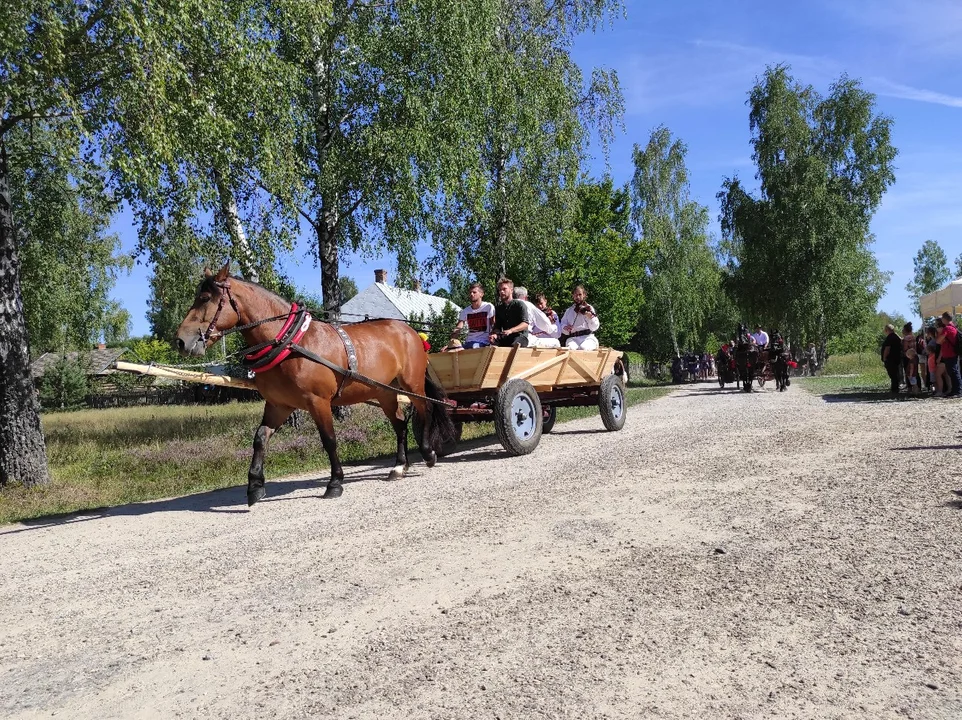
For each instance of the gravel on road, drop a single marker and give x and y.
(726, 555)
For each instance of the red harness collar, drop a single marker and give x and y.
(277, 350)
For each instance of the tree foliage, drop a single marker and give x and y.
(931, 273)
(376, 105)
(800, 256)
(682, 279)
(437, 326)
(64, 385)
(68, 261)
(866, 337)
(347, 287)
(599, 251)
(527, 138)
(214, 127)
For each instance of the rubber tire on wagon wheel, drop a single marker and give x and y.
(448, 447)
(517, 417)
(611, 403)
(549, 414)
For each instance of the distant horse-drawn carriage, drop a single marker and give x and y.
(769, 363)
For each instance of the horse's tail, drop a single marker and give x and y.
(438, 427)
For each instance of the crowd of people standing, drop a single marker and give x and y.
(927, 361)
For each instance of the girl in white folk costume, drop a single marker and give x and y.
(580, 322)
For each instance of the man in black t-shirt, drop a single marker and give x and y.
(892, 356)
(510, 318)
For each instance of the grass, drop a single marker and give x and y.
(854, 374)
(104, 458)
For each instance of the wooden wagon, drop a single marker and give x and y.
(520, 389)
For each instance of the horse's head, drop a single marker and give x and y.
(214, 310)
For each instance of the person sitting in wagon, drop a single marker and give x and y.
(542, 332)
(580, 322)
(478, 316)
(760, 337)
(510, 318)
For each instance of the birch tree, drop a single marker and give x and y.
(681, 281)
(801, 248)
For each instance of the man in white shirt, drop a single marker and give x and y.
(760, 336)
(478, 317)
(580, 322)
(541, 331)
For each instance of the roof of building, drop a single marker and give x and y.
(380, 300)
(98, 361)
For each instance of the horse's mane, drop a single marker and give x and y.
(209, 284)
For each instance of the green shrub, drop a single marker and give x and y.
(64, 385)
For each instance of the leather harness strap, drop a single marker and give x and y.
(269, 355)
(351, 359)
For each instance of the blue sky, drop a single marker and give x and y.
(689, 65)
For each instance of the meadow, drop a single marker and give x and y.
(850, 374)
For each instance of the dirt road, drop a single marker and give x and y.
(725, 556)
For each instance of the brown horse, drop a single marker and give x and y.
(387, 351)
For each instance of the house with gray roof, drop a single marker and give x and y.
(98, 362)
(380, 300)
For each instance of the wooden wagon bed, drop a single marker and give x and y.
(545, 368)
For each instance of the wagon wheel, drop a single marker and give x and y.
(760, 377)
(518, 419)
(549, 414)
(611, 403)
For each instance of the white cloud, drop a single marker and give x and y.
(712, 72)
(708, 73)
(897, 90)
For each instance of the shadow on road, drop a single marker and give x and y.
(957, 504)
(589, 431)
(231, 500)
(702, 390)
(873, 396)
(930, 447)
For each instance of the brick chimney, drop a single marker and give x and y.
(380, 276)
(417, 286)
(101, 346)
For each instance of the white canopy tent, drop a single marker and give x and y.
(947, 299)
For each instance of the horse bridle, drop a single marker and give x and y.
(225, 295)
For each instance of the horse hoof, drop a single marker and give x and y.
(396, 473)
(430, 458)
(333, 491)
(254, 495)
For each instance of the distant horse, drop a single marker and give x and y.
(389, 352)
(746, 360)
(779, 363)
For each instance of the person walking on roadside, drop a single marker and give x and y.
(947, 337)
(811, 358)
(892, 356)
